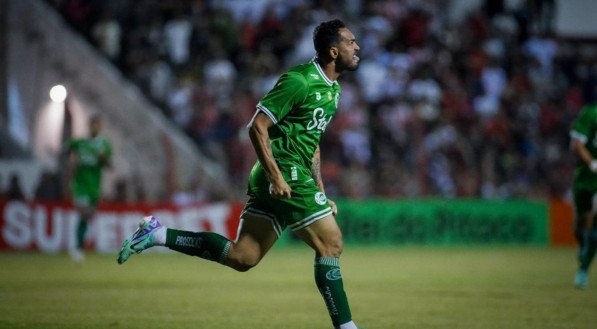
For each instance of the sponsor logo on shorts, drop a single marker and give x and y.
(333, 274)
(320, 198)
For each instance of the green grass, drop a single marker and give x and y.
(388, 287)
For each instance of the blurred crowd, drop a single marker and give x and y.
(477, 106)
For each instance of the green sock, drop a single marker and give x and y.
(588, 251)
(81, 232)
(329, 282)
(580, 239)
(207, 245)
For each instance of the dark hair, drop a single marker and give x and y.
(326, 35)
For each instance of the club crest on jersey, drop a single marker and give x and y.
(320, 121)
(320, 198)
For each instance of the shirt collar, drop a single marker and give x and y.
(320, 70)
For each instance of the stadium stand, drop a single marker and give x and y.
(473, 101)
(154, 157)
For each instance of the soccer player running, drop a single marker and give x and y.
(285, 186)
(89, 156)
(584, 143)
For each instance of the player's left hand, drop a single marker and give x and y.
(334, 207)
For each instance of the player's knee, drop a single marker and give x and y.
(337, 247)
(243, 262)
(333, 246)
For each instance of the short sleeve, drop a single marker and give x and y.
(291, 89)
(583, 124)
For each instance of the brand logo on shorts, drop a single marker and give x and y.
(320, 198)
(333, 274)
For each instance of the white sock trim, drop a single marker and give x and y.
(159, 237)
(348, 325)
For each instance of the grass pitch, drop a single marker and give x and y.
(389, 288)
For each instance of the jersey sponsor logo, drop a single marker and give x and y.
(293, 173)
(318, 95)
(320, 121)
(333, 274)
(88, 158)
(314, 76)
(320, 198)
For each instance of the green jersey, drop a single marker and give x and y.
(301, 105)
(92, 154)
(585, 130)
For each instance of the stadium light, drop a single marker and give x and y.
(58, 94)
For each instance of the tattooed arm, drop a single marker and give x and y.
(316, 173)
(258, 132)
(316, 169)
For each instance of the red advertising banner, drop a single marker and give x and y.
(50, 226)
(561, 218)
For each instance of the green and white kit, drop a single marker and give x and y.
(86, 182)
(301, 106)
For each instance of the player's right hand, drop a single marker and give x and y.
(280, 189)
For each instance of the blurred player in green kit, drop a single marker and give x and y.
(88, 157)
(285, 186)
(584, 188)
